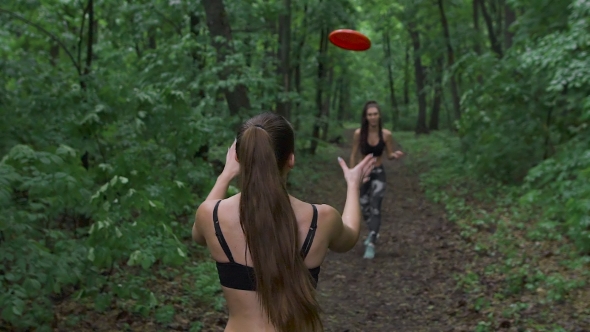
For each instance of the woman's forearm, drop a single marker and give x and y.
(351, 215)
(220, 188)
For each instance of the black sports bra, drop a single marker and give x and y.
(376, 150)
(238, 276)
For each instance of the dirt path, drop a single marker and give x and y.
(409, 285)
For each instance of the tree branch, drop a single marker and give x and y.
(176, 27)
(81, 33)
(90, 37)
(57, 40)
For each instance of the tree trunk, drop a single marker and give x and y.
(335, 96)
(297, 66)
(89, 43)
(326, 105)
(343, 96)
(436, 100)
(494, 43)
(475, 9)
(510, 17)
(447, 109)
(321, 77)
(90, 36)
(339, 101)
(421, 127)
(198, 59)
(218, 25)
(392, 99)
(451, 60)
(53, 54)
(496, 14)
(284, 67)
(152, 38)
(407, 77)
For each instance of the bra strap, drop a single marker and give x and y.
(310, 234)
(219, 234)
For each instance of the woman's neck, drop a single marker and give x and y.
(373, 129)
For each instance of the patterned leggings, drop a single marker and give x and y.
(372, 193)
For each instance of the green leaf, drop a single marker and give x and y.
(18, 306)
(165, 314)
(103, 302)
(91, 256)
(153, 301)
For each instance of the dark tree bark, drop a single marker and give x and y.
(198, 59)
(152, 45)
(321, 79)
(392, 99)
(407, 77)
(53, 54)
(494, 43)
(509, 18)
(218, 25)
(476, 46)
(284, 67)
(421, 127)
(343, 96)
(90, 37)
(339, 100)
(326, 104)
(450, 59)
(436, 99)
(297, 64)
(496, 14)
(90, 42)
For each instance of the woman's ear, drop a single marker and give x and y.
(291, 162)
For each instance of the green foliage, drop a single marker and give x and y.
(530, 232)
(93, 229)
(106, 154)
(528, 121)
(533, 100)
(561, 185)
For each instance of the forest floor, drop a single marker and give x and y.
(412, 284)
(409, 285)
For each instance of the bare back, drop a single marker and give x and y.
(245, 312)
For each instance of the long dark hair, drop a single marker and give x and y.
(283, 282)
(365, 125)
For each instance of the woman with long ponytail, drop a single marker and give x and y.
(267, 244)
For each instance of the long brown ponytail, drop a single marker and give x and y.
(283, 282)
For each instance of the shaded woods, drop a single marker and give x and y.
(116, 115)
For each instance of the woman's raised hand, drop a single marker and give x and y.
(232, 167)
(360, 173)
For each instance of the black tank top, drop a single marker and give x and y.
(376, 150)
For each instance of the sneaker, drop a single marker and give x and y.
(368, 239)
(369, 251)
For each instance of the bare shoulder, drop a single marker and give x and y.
(328, 216)
(357, 132)
(205, 211)
(327, 211)
(386, 133)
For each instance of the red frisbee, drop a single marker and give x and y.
(350, 40)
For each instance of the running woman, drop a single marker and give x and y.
(371, 138)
